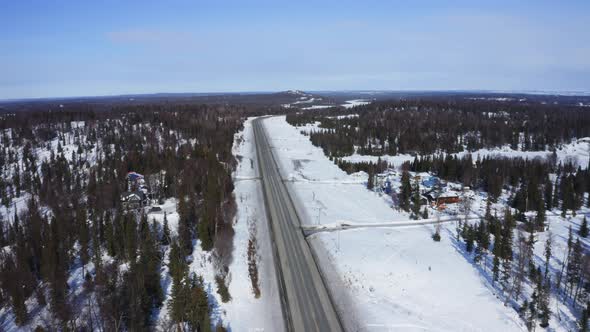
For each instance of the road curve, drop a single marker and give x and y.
(305, 301)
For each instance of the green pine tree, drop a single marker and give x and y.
(405, 192)
(165, 232)
(416, 198)
(584, 228)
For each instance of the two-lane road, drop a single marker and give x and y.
(305, 300)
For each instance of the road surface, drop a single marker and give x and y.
(306, 303)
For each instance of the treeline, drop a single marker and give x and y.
(513, 265)
(70, 176)
(428, 126)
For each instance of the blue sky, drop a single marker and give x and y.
(83, 48)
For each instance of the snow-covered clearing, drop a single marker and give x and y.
(355, 102)
(315, 107)
(577, 152)
(399, 279)
(320, 185)
(382, 279)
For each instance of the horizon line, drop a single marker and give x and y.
(567, 93)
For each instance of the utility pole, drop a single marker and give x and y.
(319, 213)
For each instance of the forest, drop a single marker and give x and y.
(435, 125)
(62, 174)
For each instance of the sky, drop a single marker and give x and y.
(89, 48)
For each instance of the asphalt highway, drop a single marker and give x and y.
(306, 303)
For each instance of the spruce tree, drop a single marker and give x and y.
(371, 180)
(574, 265)
(541, 216)
(583, 322)
(425, 213)
(405, 192)
(584, 228)
(197, 309)
(165, 232)
(178, 295)
(544, 290)
(416, 198)
(531, 316)
(497, 252)
(548, 253)
(83, 235)
(469, 241)
(548, 194)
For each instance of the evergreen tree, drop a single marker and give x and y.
(583, 322)
(371, 180)
(544, 291)
(197, 310)
(497, 252)
(110, 237)
(13, 284)
(540, 216)
(178, 272)
(470, 238)
(555, 196)
(482, 238)
(506, 250)
(548, 253)
(83, 235)
(574, 265)
(416, 200)
(488, 215)
(130, 235)
(406, 191)
(165, 232)
(425, 213)
(584, 228)
(548, 194)
(532, 312)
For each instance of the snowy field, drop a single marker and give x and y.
(383, 279)
(355, 102)
(327, 193)
(399, 279)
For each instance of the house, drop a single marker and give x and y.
(430, 182)
(447, 198)
(135, 181)
(133, 200)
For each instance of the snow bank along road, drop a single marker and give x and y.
(305, 300)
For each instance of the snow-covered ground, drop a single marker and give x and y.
(355, 102)
(315, 107)
(577, 151)
(383, 279)
(246, 312)
(399, 279)
(320, 185)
